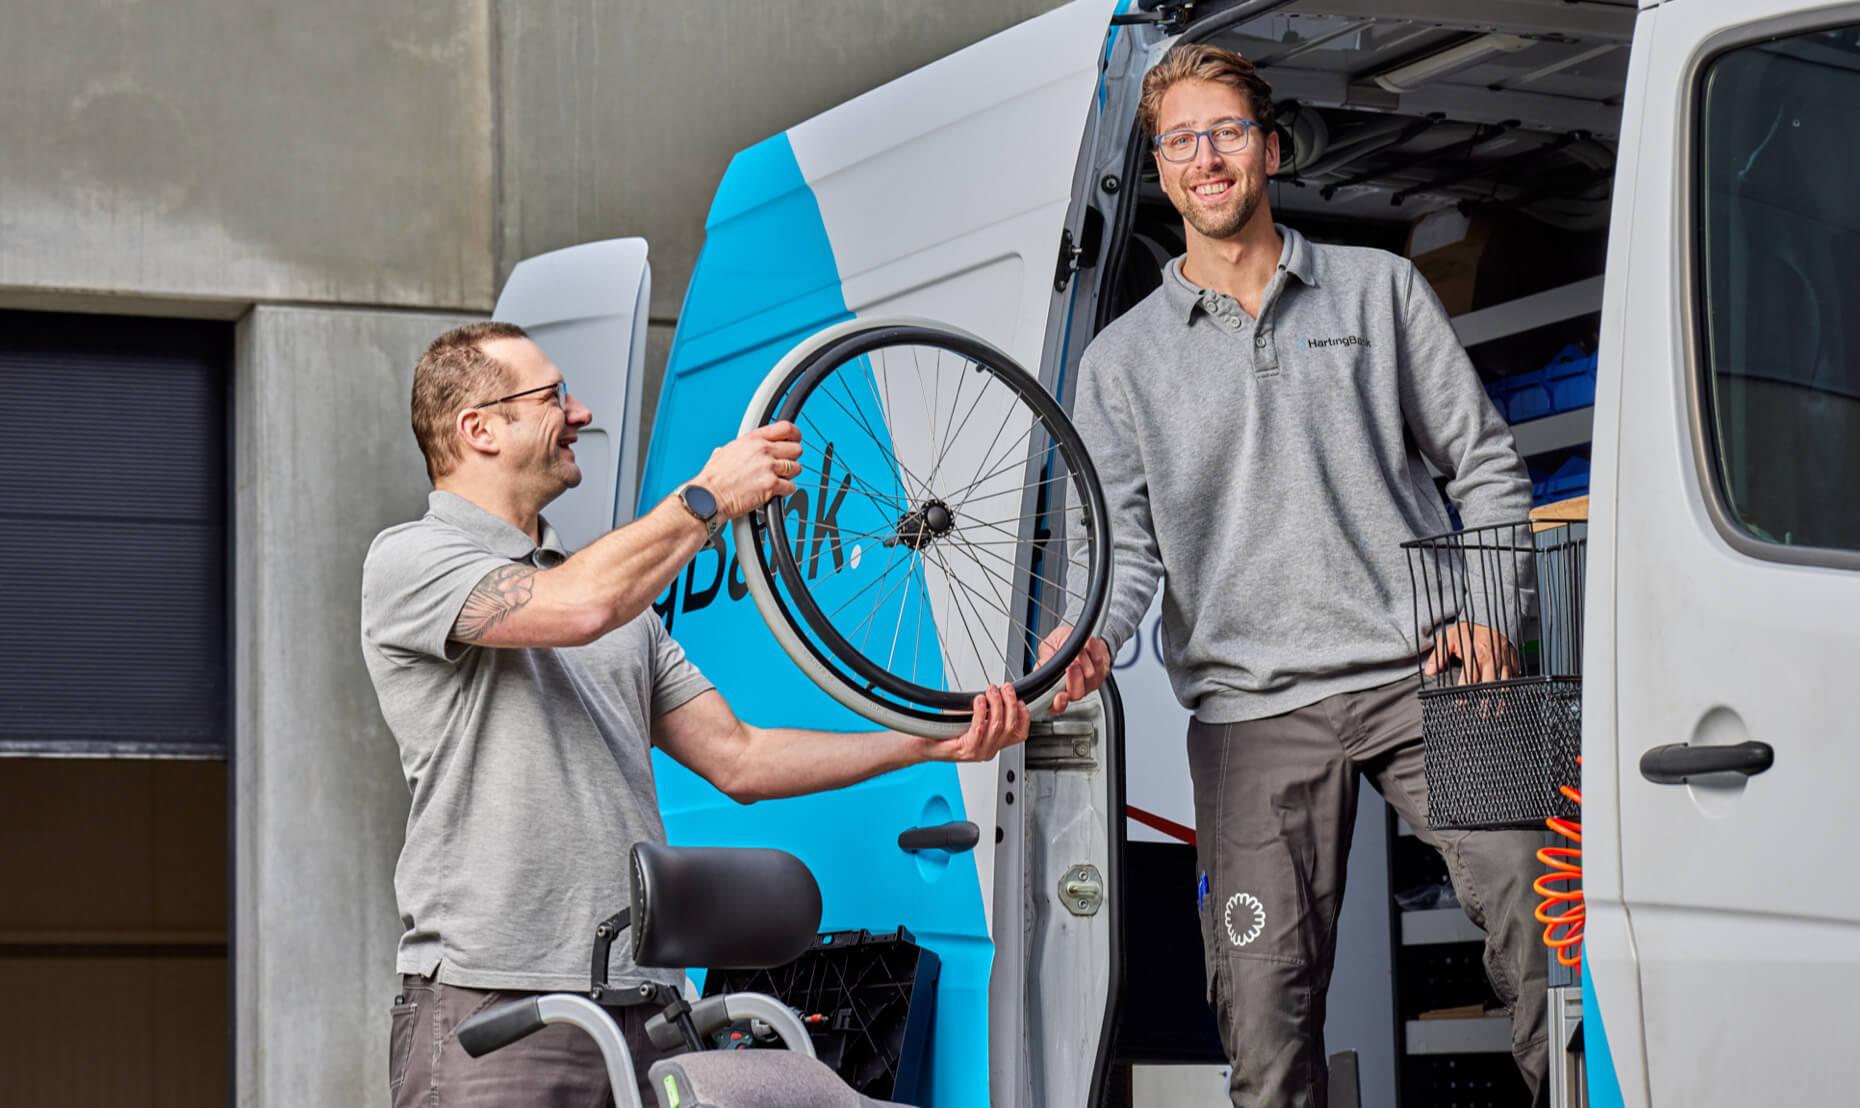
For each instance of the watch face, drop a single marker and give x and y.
(700, 501)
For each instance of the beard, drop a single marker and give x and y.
(1218, 223)
(549, 477)
(566, 472)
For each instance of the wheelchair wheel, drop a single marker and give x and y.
(919, 561)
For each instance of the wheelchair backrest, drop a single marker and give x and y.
(721, 907)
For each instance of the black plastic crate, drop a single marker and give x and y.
(867, 1000)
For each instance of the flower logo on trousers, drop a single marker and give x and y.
(1244, 910)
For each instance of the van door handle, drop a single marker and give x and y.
(955, 837)
(1674, 763)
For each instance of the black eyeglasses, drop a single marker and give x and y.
(560, 389)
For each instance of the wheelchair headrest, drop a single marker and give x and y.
(721, 907)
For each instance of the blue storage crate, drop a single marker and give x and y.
(1529, 398)
(1540, 482)
(1500, 392)
(1570, 479)
(1570, 377)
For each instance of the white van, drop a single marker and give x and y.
(1698, 148)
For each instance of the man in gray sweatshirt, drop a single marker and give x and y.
(1259, 424)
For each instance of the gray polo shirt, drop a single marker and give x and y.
(529, 768)
(1268, 470)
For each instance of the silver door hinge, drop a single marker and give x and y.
(1068, 742)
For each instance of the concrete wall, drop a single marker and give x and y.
(405, 152)
(324, 461)
(337, 151)
(333, 173)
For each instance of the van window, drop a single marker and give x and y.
(1780, 277)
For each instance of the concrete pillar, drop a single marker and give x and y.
(323, 459)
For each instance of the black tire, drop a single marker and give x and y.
(937, 521)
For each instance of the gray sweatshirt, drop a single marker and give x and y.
(1267, 473)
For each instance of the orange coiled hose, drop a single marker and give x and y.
(1562, 910)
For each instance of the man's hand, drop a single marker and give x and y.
(1000, 722)
(1484, 654)
(1086, 672)
(751, 471)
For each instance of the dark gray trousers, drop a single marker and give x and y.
(558, 1067)
(1275, 810)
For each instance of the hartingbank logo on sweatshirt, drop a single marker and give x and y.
(1344, 340)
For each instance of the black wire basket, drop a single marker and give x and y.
(1498, 611)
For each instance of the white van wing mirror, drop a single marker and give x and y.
(586, 307)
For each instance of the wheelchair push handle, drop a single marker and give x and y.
(500, 1026)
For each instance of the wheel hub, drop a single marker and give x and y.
(923, 525)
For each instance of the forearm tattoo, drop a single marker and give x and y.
(501, 592)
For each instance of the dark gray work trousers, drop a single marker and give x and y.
(557, 1067)
(1275, 811)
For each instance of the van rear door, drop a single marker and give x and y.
(940, 195)
(1728, 502)
(586, 307)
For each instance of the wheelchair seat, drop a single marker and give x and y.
(753, 1079)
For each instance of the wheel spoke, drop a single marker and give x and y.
(889, 658)
(1065, 477)
(956, 602)
(863, 485)
(917, 630)
(1007, 463)
(891, 429)
(987, 381)
(999, 604)
(878, 606)
(863, 589)
(949, 438)
(1030, 572)
(903, 470)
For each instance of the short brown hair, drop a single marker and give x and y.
(1196, 61)
(455, 373)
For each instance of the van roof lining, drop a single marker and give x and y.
(1549, 106)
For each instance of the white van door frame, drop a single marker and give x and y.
(1743, 927)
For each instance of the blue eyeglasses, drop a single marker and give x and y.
(1229, 136)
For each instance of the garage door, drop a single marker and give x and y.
(113, 541)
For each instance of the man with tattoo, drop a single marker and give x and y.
(526, 685)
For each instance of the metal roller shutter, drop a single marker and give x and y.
(113, 540)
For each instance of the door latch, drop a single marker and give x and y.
(1070, 255)
(1081, 889)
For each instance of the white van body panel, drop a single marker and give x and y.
(586, 307)
(1743, 920)
(943, 194)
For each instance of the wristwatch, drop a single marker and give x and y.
(698, 500)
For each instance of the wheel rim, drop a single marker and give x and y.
(947, 509)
